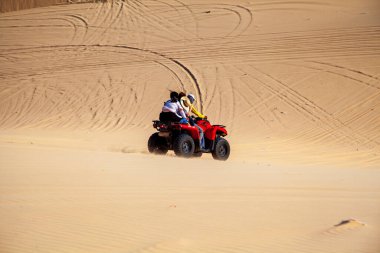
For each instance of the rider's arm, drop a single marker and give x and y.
(200, 115)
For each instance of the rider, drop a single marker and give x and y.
(172, 111)
(187, 104)
(192, 99)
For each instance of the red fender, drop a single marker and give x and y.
(213, 131)
(210, 130)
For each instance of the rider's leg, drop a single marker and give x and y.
(201, 137)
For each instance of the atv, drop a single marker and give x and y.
(184, 139)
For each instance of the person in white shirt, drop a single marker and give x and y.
(172, 111)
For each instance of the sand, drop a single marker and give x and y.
(296, 83)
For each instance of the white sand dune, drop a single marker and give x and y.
(296, 83)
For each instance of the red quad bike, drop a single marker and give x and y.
(184, 139)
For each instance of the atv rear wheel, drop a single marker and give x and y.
(156, 145)
(222, 149)
(184, 145)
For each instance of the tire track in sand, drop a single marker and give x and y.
(178, 69)
(347, 76)
(317, 113)
(84, 23)
(146, 14)
(262, 101)
(177, 10)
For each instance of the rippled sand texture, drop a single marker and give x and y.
(295, 82)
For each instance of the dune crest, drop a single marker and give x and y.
(350, 223)
(346, 225)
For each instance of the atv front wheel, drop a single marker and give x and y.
(222, 149)
(156, 145)
(184, 146)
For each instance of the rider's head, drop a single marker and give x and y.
(191, 97)
(174, 96)
(181, 94)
